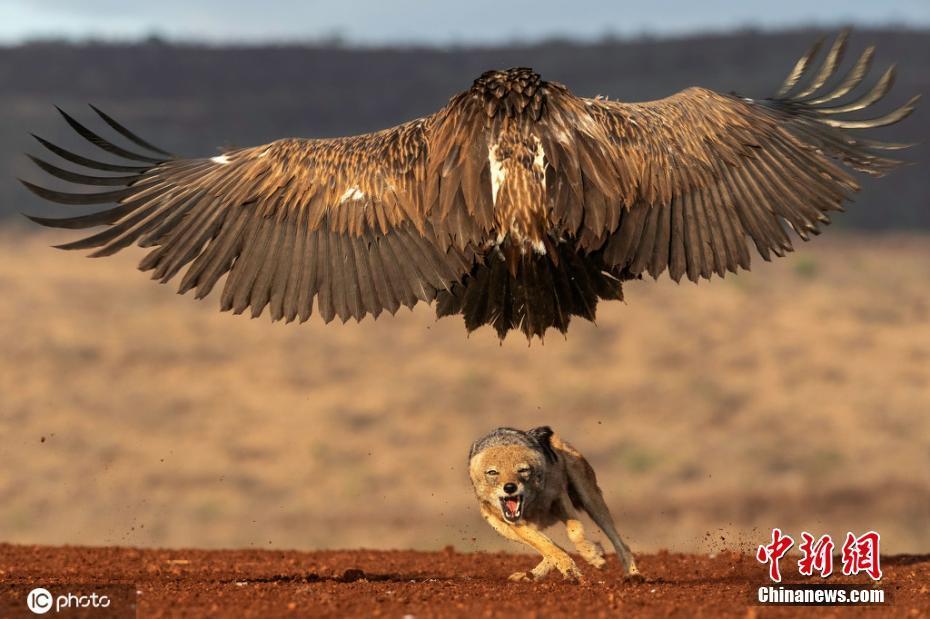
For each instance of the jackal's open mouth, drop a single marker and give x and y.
(512, 507)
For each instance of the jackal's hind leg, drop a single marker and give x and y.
(583, 483)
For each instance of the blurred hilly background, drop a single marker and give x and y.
(191, 100)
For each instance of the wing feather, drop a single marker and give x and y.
(282, 269)
(309, 288)
(726, 168)
(380, 280)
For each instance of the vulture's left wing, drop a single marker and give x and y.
(699, 172)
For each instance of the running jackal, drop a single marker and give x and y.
(527, 481)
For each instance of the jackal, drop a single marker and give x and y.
(527, 481)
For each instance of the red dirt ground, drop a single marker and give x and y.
(232, 583)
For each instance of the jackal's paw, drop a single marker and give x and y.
(521, 577)
(634, 576)
(571, 573)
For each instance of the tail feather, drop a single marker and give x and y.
(542, 292)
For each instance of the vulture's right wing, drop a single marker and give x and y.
(341, 220)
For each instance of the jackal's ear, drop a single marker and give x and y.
(542, 435)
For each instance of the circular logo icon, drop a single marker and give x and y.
(39, 601)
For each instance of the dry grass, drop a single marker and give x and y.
(795, 396)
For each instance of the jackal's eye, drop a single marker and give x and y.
(490, 472)
(524, 470)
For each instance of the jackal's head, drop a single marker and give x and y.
(508, 476)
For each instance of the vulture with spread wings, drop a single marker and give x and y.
(517, 205)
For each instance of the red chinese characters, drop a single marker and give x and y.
(773, 552)
(816, 556)
(861, 554)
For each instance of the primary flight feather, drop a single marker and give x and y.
(517, 205)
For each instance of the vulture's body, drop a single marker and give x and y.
(517, 205)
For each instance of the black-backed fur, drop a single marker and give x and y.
(543, 436)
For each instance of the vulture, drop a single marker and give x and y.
(517, 205)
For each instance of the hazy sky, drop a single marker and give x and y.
(424, 21)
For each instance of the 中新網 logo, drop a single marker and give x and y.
(859, 554)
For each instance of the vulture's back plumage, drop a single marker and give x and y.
(517, 205)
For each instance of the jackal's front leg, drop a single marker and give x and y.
(539, 572)
(553, 556)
